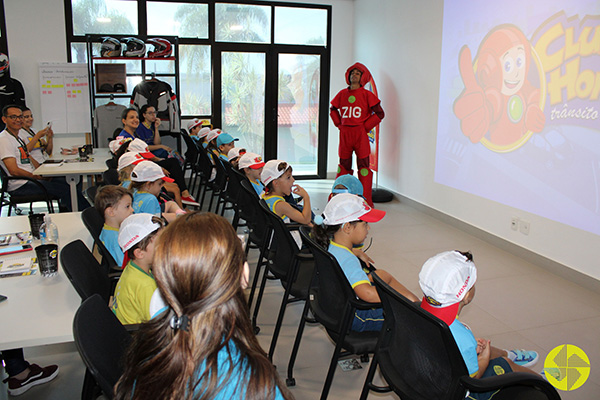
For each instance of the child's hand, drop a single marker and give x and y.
(366, 259)
(299, 190)
(486, 349)
(481, 344)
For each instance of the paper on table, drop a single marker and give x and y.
(15, 265)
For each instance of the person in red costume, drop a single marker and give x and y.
(355, 111)
(498, 98)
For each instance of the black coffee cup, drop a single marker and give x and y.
(47, 256)
(35, 222)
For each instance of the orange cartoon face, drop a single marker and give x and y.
(513, 64)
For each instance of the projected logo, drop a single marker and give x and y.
(502, 103)
(567, 367)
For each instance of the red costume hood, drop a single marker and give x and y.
(365, 77)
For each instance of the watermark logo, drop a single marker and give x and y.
(567, 367)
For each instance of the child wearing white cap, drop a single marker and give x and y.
(211, 141)
(136, 285)
(448, 283)
(252, 165)
(234, 154)
(147, 180)
(279, 182)
(344, 224)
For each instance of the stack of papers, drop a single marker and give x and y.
(12, 266)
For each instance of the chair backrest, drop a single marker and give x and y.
(111, 177)
(233, 182)
(91, 193)
(285, 249)
(417, 352)
(112, 163)
(191, 154)
(220, 181)
(94, 222)
(84, 271)
(330, 291)
(102, 342)
(256, 218)
(204, 163)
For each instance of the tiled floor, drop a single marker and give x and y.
(518, 305)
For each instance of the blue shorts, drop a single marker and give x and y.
(497, 366)
(368, 320)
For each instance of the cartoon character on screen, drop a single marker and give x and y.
(355, 111)
(498, 99)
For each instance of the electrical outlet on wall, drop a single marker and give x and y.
(514, 223)
(524, 227)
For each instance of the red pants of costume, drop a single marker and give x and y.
(355, 139)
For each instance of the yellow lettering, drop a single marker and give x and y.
(567, 81)
(550, 61)
(596, 91)
(590, 46)
(571, 49)
(585, 83)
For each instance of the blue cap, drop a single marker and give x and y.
(225, 138)
(350, 182)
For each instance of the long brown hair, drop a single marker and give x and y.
(198, 265)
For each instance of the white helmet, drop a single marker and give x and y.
(111, 47)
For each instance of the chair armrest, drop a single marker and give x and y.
(510, 379)
(293, 226)
(364, 305)
(27, 178)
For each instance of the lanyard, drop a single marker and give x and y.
(21, 142)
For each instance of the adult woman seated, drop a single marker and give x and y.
(147, 130)
(202, 345)
(131, 121)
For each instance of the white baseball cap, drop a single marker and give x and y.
(139, 146)
(193, 123)
(235, 152)
(213, 134)
(251, 160)
(271, 171)
(134, 229)
(346, 207)
(147, 171)
(445, 280)
(129, 158)
(114, 145)
(203, 132)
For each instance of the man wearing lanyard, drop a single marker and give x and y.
(16, 161)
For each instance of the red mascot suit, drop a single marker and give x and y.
(355, 112)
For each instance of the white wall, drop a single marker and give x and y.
(400, 41)
(36, 33)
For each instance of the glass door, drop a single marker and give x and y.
(243, 98)
(298, 91)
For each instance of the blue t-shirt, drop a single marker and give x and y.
(110, 238)
(466, 344)
(258, 187)
(349, 264)
(271, 201)
(147, 135)
(144, 202)
(233, 388)
(223, 157)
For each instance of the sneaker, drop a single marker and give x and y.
(190, 201)
(37, 375)
(523, 358)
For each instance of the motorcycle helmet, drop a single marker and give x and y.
(111, 47)
(162, 48)
(134, 47)
(3, 64)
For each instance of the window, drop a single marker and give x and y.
(178, 19)
(117, 17)
(242, 23)
(300, 26)
(195, 79)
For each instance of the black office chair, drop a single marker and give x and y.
(419, 359)
(12, 200)
(111, 177)
(84, 272)
(94, 222)
(259, 236)
(90, 193)
(206, 167)
(333, 304)
(235, 193)
(102, 343)
(293, 268)
(191, 160)
(112, 163)
(225, 199)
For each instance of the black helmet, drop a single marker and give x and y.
(162, 48)
(111, 47)
(134, 47)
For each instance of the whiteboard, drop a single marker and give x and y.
(65, 97)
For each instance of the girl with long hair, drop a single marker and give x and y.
(202, 346)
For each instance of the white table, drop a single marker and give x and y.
(72, 171)
(40, 310)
